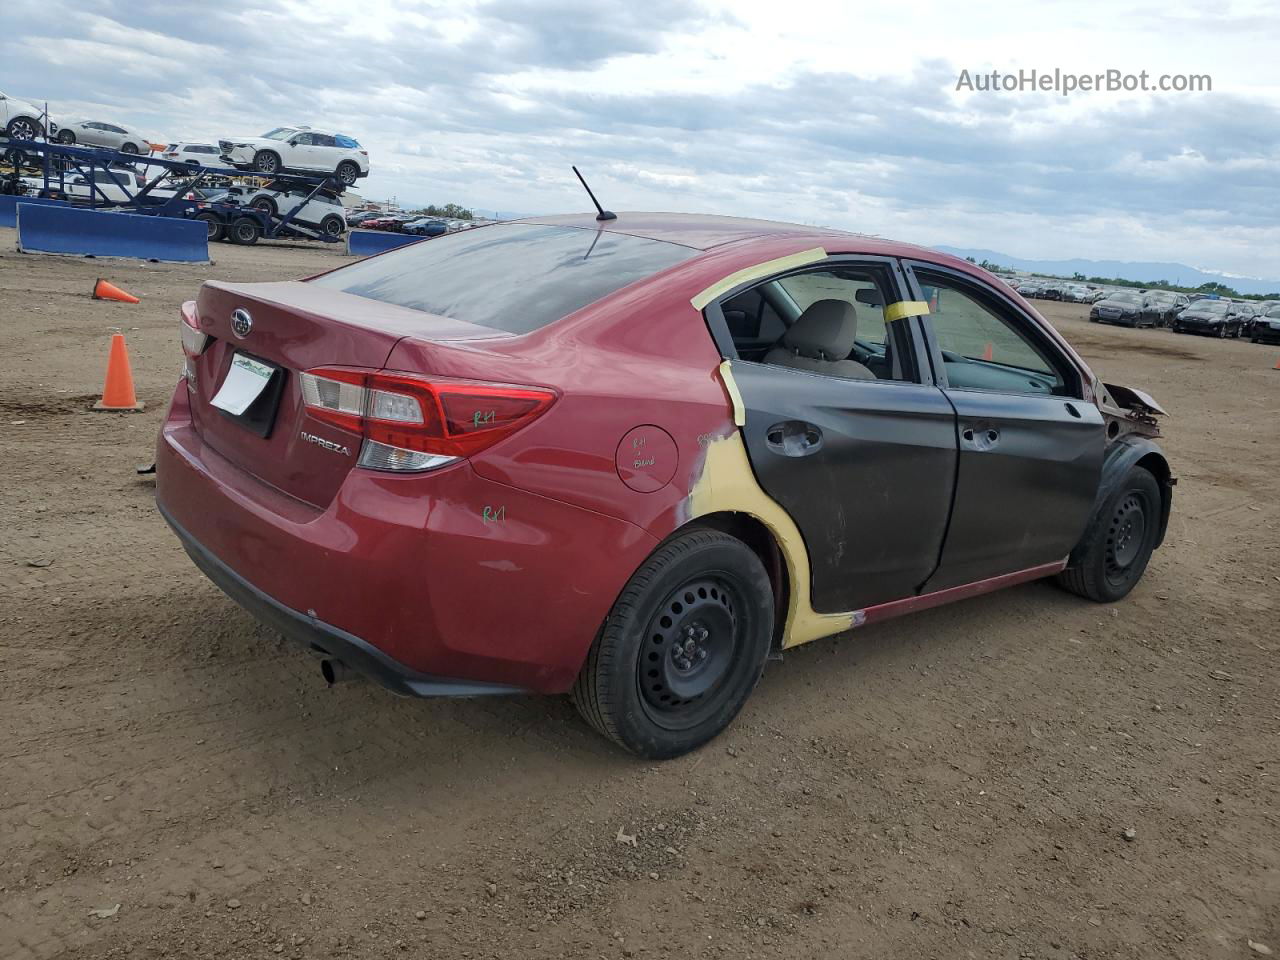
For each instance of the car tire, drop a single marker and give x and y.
(266, 161)
(213, 222)
(266, 205)
(332, 226)
(24, 128)
(1118, 542)
(130, 148)
(244, 231)
(67, 137)
(347, 173)
(1222, 332)
(682, 648)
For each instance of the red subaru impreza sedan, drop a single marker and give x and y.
(629, 459)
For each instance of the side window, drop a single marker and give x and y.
(346, 142)
(827, 321)
(322, 140)
(985, 344)
(302, 140)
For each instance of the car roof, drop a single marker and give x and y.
(706, 231)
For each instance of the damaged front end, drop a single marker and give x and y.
(1127, 410)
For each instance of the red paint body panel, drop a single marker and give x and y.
(410, 562)
(926, 601)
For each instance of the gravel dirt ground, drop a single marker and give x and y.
(175, 781)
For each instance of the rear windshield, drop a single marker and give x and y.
(515, 277)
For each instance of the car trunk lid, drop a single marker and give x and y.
(284, 329)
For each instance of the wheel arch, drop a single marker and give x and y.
(1121, 456)
(753, 531)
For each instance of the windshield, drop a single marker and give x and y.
(1160, 295)
(1273, 312)
(279, 133)
(1125, 298)
(515, 277)
(1211, 306)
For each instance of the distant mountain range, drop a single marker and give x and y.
(1142, 272)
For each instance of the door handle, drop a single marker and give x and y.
(980, 438)
(793, 438)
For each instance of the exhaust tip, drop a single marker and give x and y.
(333, 671)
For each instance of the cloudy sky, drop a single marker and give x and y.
(836, 113)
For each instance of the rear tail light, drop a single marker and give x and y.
(193, 342)
(412, 423)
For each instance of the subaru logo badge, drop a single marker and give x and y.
(241, 323)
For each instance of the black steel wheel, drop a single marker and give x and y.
(682, 648)
(213, 222)
(1115, 549)
(244, 230)
(348, 172)
(264, 161)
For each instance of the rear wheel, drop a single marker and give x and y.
(348, 172)
(265, 204)
(244, 230)
(264, 161)
(66, 136)
(130, 148)
(682, 648)
(23, 128)
(1118, 542)
(332, 226)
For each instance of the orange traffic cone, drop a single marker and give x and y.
(117, 392)
(1277, 366)
(988, 352)
(109, 291)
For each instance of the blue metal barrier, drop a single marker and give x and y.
(9, 207)
(78, 232)
(364, 243)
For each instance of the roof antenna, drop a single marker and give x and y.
(603, 214)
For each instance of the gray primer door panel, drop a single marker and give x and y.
(865, 468)
(1029, 470)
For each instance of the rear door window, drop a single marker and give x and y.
(515, 277)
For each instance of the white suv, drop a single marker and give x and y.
(324, 212)
(300, 150)
(19, 119)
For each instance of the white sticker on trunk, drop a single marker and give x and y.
(245, 382)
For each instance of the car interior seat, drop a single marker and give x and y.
(821, 340)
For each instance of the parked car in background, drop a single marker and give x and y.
(323, 212)
(1096, 295)
(20, 119)
(1029, 289)
(1217, 318)
(426, 227)
(1161, 306)
(195, 154)
(390, 222)
(1075, 293)
(96, 133)
(298, 150)
(1266, 328)
(1123, 308)
(1051, 291)
(355, 219)
(447, 466)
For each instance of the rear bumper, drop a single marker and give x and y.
(409, 578)
(323, 639)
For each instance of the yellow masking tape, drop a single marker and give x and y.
(739, 408)
(905, 308)
(756, 272)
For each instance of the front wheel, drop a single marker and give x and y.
(66, 136)
(332, 226)
(265, 204)
(1118, 542)
(682, 648)
(264, 161)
